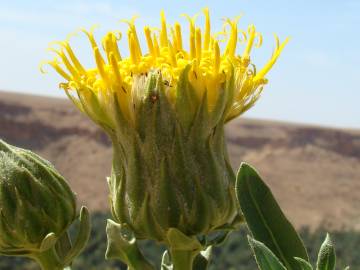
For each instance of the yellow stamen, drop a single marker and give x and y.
(132, 29)
(231, 46)
(198, 43)
(115, 68)
(149, 41)
(252, 34)
(172, 55)
(207, 29)
(73, 58)
(192, 43)
(216, 57)
(260, 75)
(100, 65)
(242, 39)
(67, 64)
(163, 32)
(156, 46)
(192, 35)
(210, 68)
(133, 48)
(114, 46)
(59, 70)
(90, 36)
(107, 46)
(260, 40)
(173, 35)
(178, 37)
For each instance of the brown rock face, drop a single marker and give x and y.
(314, 172)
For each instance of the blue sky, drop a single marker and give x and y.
(316, 80)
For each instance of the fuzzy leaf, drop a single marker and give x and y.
(304, 264)
(265, 259)
(327, 257)
(265, 219)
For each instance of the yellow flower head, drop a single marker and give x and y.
(165, 110)
(208, 67)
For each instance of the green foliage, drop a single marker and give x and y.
(265, 219)
(234, 254)
(305, 265)
(276, 246)
(326, 258)
(265, 258)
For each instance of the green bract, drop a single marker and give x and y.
(36, 203)
(170, 166)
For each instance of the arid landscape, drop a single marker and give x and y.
(314, 172)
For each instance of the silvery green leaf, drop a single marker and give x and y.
(265, 219)
(326, 257)
(305, 265)
(265, 259)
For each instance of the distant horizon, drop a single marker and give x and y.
(315, 81)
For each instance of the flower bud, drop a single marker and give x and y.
(36, 203)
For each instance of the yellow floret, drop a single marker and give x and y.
(210, 69)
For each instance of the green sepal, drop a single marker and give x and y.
(305, 265)
(82, 237)
(91, 106)
(122, 245)
(186, 98)
(75, 101)
(265, 219)
(48, 242)
(326, 257)
(180, 241)
(224, 101)
(63, 245)
(183, 249)
(265, 259)
(151, 227)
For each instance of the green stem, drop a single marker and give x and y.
(182, 259)
(139, 263)
(48, 260)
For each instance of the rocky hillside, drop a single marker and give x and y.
(314, 172)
